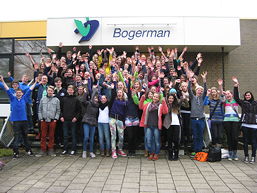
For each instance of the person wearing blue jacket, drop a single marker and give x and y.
(19, 117)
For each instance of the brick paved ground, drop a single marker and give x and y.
(74, 174)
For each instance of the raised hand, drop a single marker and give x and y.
(160, 49)
(185, 49)
(203, 75)
(74, 55)
(185, 65)
(49, 50)
(60, 45)
(200, 61)
(208, 92)
(220, 82)
(234, 79)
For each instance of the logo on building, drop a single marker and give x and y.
(87, 30)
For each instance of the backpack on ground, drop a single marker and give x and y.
(214, 154)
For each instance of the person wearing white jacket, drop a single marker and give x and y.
(103, 126)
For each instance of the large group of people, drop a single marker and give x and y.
(154, 96)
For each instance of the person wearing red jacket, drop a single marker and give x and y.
(152, 120)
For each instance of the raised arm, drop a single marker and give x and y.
(3, 82)
(204, 76)
(236, 92)
(206, 99)
(190, 74)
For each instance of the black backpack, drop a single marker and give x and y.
(214, 154)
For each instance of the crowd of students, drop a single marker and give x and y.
(158, 94)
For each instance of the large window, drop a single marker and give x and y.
(13, 58)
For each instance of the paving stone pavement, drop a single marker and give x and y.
(72, 174)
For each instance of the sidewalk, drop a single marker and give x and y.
(74, 174)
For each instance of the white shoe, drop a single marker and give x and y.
(92, 155)
(84, 154)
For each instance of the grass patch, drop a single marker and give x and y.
(5, 152)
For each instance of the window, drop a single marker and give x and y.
(6, 46)
(30, 46)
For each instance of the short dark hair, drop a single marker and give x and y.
(15, 82)
(57, 79)
(19, 90)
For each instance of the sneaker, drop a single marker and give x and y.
(114, 155)
(121, 153)
(51, 153)
(192, 155)
(146, 153)
(92, 155)
(252, 161)
(41, 153)
(65, 152)
(72, 152)
(230, 158)
(235, 158)
(15, 155)
(155, 157)
(246, 160)
(150, 157)
(102, 153)
(30, 153)
(131, 154)
(84, 154)
(108, 153)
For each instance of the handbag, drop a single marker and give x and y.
(212, 113)
(214, 154)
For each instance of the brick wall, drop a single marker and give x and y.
(240, 62)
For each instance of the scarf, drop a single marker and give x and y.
(153, 106)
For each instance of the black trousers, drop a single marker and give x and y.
(20, 129)
(174, 135)
(232, 132)
(132, 138)
(250, 137)
(186, 133)
(216, 132)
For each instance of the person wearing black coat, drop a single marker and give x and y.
(90, 121)
(70, 114)
(249, 121)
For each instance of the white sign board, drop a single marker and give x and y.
(211, 31)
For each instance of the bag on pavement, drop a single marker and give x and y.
(214, 154)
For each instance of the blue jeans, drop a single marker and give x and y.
(145, 141)
(153, 140)
(69, 125)
(104, 132)
(89, 134)
(197, 130)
